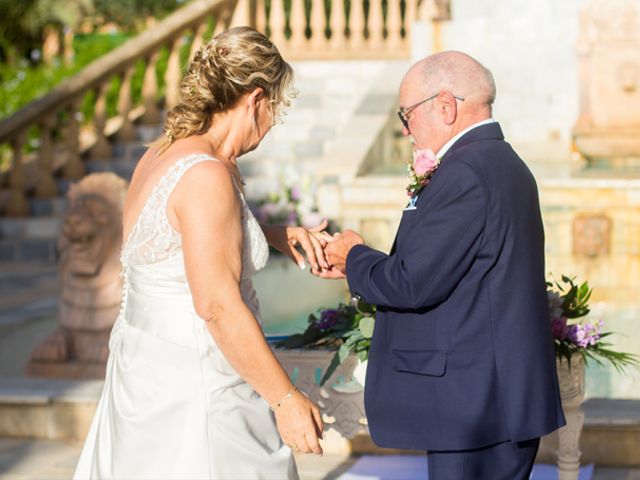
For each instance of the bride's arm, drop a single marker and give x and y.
(208, 214)
(285, 239)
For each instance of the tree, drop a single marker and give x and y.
(23, 24)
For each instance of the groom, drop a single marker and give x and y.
(461, 361)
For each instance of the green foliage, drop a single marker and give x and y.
(23, 83)
(130, 15)
(22, 23)
(347, 328)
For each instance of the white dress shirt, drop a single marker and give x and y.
(453, 140)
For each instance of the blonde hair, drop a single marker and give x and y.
(232, 64)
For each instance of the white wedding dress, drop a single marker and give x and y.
(172, 407)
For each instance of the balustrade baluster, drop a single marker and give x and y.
(298, 24)
(18, 206)
(338, 23)
(46, 186)
(102, 148)
(73, 169)
(318, 24)
(394, 25)
(241, 12)
(222, 24)
(410, 16)
(356, 37)
(376, 25)
(277, 22)
(261, 16)
(198, 38)
(127, 130)
(150, 91)
(173, 76)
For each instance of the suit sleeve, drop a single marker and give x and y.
(443, 243)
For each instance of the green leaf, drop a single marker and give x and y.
(365, 308)
(336, 361)
(363, 355)
(366, 326)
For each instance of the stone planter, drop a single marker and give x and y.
(341, 398)
(571, 380)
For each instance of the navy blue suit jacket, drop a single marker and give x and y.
(462, 354)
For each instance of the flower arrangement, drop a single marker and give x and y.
(347, 328)
(292, 205)
(569, 302)
(421, 168)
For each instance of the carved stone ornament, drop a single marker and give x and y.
(608, 127)
(341, 398)
(90, 283)
(591, 235)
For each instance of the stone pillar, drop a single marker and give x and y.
(571, 379)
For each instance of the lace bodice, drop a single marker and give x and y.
(153, 239)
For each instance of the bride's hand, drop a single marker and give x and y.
(312, 241)
(299, 423)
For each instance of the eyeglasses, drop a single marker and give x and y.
(403, 113)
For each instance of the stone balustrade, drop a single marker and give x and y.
(341, 28)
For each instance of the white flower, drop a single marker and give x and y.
(555, 304)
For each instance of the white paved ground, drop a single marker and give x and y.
(55, 460)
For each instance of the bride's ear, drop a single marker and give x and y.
(254, 97)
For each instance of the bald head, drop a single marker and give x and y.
(458, 73)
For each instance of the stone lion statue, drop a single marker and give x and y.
(89, 272)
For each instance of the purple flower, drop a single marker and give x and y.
(578, 335)
(585, 335)
(292, 218)
(296, 193)
(267, 211)
(328, 318)
(559, 328)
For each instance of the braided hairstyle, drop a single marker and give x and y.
(232, 64)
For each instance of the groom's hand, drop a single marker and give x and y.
(336, 251)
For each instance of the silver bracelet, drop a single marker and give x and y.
(285, 398)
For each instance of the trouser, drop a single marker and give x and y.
(504, 461)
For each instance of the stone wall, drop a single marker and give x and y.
(530, 46)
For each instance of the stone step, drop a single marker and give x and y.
(32, 228)
(47, 409)
(119, 167)
(63, 409)
(19, 276)
(28, 249)
(48, 207)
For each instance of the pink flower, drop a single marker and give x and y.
(312, 219)
(424, 161)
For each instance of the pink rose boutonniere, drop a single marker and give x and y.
(421, 169)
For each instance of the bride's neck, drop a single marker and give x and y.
(225, 137)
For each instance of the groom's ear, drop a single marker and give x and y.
(448, 107)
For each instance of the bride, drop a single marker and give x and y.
(192, 389)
